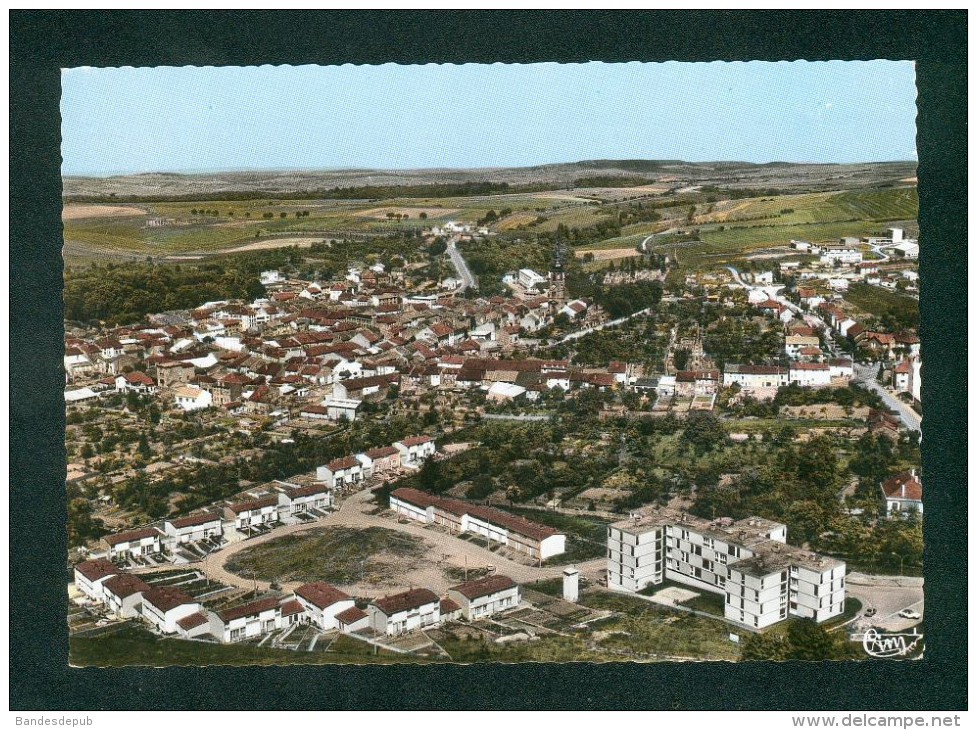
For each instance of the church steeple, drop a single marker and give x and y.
(558, 289)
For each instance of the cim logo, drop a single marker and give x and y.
(889, 646)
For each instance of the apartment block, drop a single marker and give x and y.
(747, 561)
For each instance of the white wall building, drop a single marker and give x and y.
(397, 614)
(322, 603)
(485, 596)
(748, 562)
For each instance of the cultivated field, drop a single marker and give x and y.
(275, 243)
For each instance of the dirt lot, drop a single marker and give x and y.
(381, 213)
(275, 243)
(76, 212)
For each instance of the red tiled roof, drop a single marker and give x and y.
(903, 486)
(97, 569)
(321, 594)
(381, 452)
(347, 462)
(448, 606)
(248, 609)
(808, 366)
(254, 504)
(351, 615)
(131, 536)
(166, 598)
(125, 584)
(484, 586)
(192, 621)
(193, 520)
(414, 598)
(292, 607)
(415, 497)
(415, 440)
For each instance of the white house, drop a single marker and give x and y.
(123, 594)
(206, 525)
(251, 620)
(192, 398)
(340, 472)
(254, 512)
(903, 494)
(322, 602)
(415, 449)
(485, 596)
(810, 374)
(163, 606)
(270, 277)
(135, 382)
(414, 609)
(754, 377)
(135, 542)
(90, 576)
(841, 368)
(293, 499)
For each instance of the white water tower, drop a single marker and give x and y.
(571, 584)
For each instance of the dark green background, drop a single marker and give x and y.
(41, 42)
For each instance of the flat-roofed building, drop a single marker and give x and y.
(762, 579)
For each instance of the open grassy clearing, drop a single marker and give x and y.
(334, 554)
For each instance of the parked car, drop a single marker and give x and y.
(909, 613)
(869, 613)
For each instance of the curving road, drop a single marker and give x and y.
(355, 512)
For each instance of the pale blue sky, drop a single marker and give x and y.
(124, 120)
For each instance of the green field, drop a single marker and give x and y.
(882, 302)
(334, 554)
(871, 205)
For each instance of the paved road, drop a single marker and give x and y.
(866, 375)
(354, 512)
(467, 280)
(888, 595)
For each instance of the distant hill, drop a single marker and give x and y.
(782, 175)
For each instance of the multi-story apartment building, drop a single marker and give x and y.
(748, 561)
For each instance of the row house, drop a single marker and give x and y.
(174, 372)
(418, 608)
(519, 534)
(134, 543)
(90, 575)
(254, 619)
(415, 449)
(690, 383)
(379, 461)
(486, 596)
(123, 594)
(795, 344)
(756, 379)
(810, 374)
(163, 606)
(253, 513)
(192, 398)
(322, 603)
(341, 472)
(294, 499)
(193, 528)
